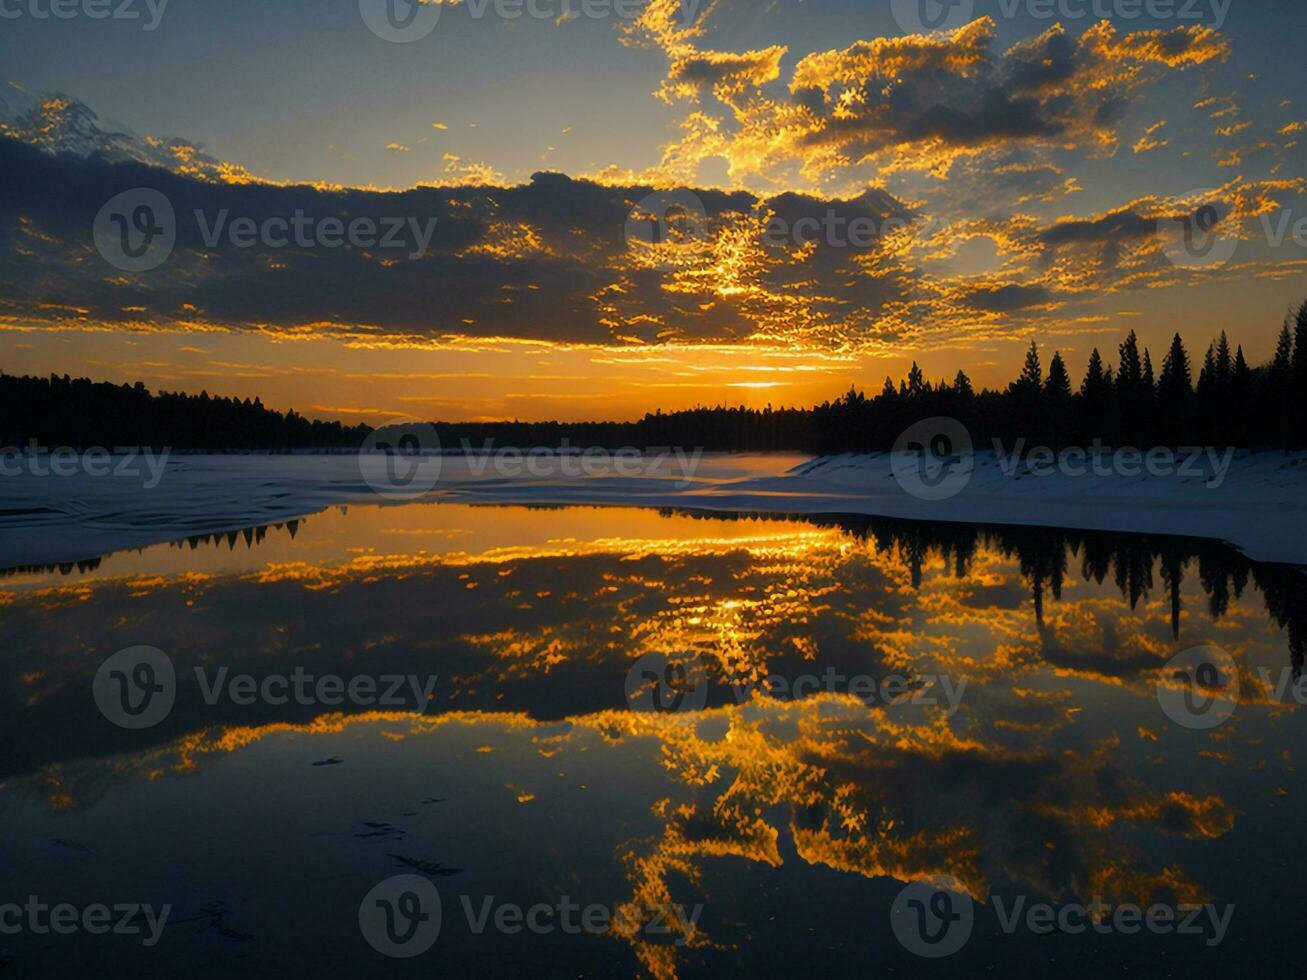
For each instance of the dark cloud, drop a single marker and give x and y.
(1009, 298)
(545, 260)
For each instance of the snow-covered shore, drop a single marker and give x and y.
(1260, 505)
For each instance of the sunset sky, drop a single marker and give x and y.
(1034, 165)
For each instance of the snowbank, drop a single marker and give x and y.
(1260, 506)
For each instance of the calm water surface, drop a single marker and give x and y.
(786, 816)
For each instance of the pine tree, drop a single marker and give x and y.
(1224, 366)
(1129, 371)
(1095, 402)
(1298, 393)
(1026, 401)
(1057, 397)
(916, 382)
(1132, 401)
(962, 385)
(1175, 393)
(1241, 394)
(1032, 376)
(1280, 389)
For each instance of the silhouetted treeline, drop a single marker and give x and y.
(1223, 401)
(1218, 400)
(57, 411)
(1047, 557)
